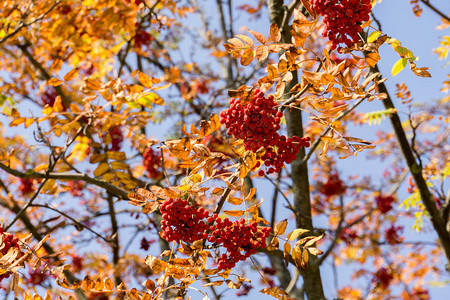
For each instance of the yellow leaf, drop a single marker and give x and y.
(101, 169)
(280, 228)
(296, 233)
(28, 122)
(48, 186)
(399, 66)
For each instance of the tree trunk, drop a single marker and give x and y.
(302, 205)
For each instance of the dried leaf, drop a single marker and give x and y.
(145, 80)
(71, 74)
(293, 235)
(247, 57)
(275, 34)
(287, 253)
(101, 169)
(246, 39)
(280, 228)
(54, 81)
(258, 36)
(234, 213)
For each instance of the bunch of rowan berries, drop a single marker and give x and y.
(239, 239)
(257, 123)
(382, 278)
(116, 137)
(182, 222)
(26, 186)
(384, 203)
(152, 162)
(347, 235)
(7, 241)
(37, 276)
(333, 186)
(391, 235)
(343, 19)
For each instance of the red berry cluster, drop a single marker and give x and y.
(7, 241)
(391, 235)
(26, 186)
(334, 186)
(76, 188)
(182, 222)
(152, 162)
(49, 96)
(384, 203)
(257, 123)
(142, 37)
(116, 137)
(37, 277)
(145, 244)
(347, 235)
(236, 237)
(245, 289)
(411, 185)
(77, 263)
(343, 19)
(382, 278)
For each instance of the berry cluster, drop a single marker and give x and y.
(384, 203)
(7, 241)
(142, 37)
(347, 235)
(76, 188)
(145, 244)
(77, 263)
(182, 222)
(116, 138)
(383, 277)
(236, 237)
(37, 277)
(152, 162)
(343, 19)
(257, 123)
(334, 186)
(26, 186)
(391, 235)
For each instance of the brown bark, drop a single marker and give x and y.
(302, 202)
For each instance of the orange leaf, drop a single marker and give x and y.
(234, 213)
(247, 57)
(275, 34)
(145, 80)
(280, 228)
(71, 74)
(258, 36)
(54, 82)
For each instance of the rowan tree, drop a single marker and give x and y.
(139, 139)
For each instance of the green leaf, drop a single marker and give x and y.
(399, 66)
